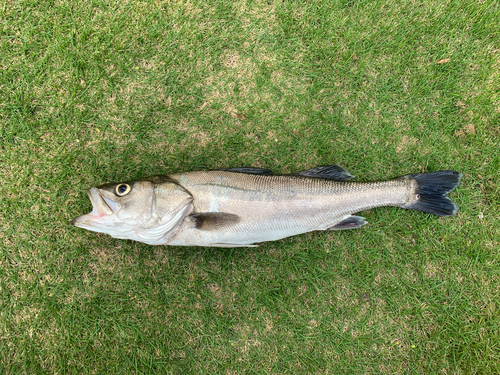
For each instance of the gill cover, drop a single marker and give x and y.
(170, 204)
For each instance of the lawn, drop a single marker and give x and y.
(104, 91)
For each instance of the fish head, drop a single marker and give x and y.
(144, 210)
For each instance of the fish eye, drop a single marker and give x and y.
(122, 189)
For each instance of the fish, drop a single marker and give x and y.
(242, 207)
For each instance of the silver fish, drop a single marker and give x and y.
(244, 206)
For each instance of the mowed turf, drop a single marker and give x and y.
(102, 91)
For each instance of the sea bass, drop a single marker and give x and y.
(244, 206)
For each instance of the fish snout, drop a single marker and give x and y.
(102, 209)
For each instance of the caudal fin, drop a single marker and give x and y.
(432, 190)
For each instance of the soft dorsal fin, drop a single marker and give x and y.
(214, 220)
(333, 172)
(263, 171)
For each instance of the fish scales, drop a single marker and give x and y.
(245, 206)
(294, 204)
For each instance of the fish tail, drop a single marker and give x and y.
(430, 194)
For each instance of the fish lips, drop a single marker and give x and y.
(101, 207)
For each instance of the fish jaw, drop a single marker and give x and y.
(103, 210)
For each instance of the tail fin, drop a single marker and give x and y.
(431, 192)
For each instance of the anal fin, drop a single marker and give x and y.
(352, 222)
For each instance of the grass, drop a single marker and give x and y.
(101, 91)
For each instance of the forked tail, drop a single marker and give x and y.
(431, 192)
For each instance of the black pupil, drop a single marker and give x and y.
(122, 189)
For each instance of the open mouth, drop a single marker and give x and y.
(101, 207)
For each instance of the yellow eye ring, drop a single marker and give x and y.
(122, 189)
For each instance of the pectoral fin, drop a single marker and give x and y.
(214, 220)
(333, 172)
(352, 222)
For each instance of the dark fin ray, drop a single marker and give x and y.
(263, 171)
(214, 220)
(230, 245)
(352, 222)
(333, 172)
(431, 192)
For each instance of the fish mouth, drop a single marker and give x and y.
(101, 208)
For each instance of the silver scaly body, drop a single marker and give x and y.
(274, 207)
(245, 206)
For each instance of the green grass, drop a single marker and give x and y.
(98, 91)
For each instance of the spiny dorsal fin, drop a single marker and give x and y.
(263, 171)
(333, 172)
(214, 220)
